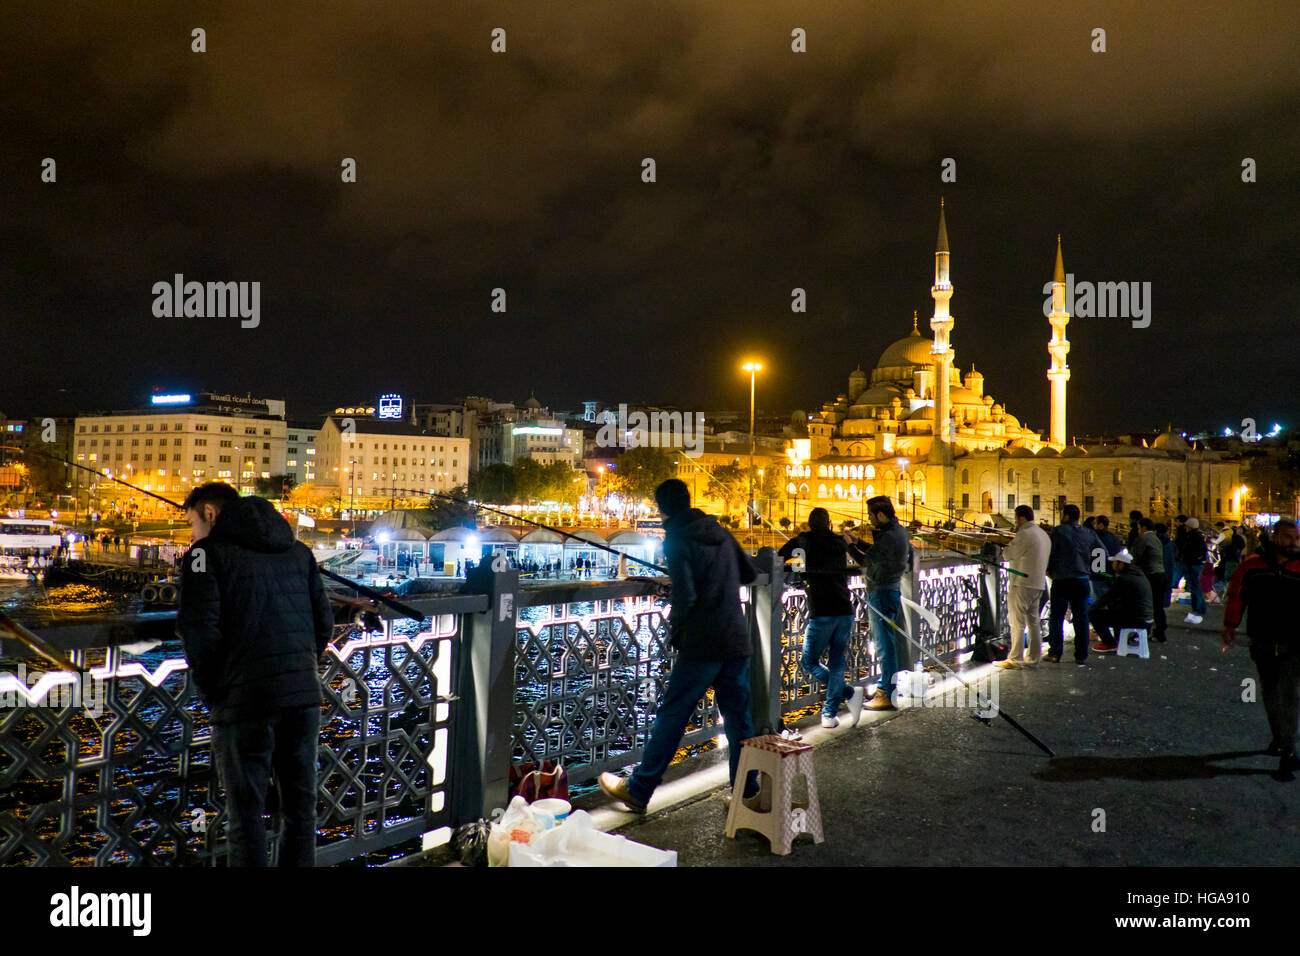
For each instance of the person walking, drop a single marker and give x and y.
(830, 612)
(1075, 552)
(1126, 603)
(1027, 554)
(1192, 557)
(884, 562)
(1148, 557)
(1100, 580)
(708, 631)
(255, 619)
(1134, 528)
(1265, 589)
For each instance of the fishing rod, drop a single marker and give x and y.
(545, 527)
(396, 605)
(984, 702)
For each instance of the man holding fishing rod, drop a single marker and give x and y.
(708, 631)
(255, 619)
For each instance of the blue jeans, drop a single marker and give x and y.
(1177, 574)
(1071, 592)
(831, 633)
(1193, 572)
(686, 685)
(246, 753)
(888, 602)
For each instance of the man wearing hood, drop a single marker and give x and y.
(1266, 589)
(255, 619)
(885, 562)
(708, 631)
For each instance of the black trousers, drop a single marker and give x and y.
(1159, 584)
(1108, 623)
(246, 754)
(1279, 688)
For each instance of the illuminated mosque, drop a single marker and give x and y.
(880, 437)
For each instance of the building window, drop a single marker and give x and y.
(1088, 476)
(1036, 503)
(1218, 505)
(1011, 476)
(1060, 476)
(1205, 507)
(1117, 506)
(965, 500)
(1060, 502)
(1011, 502)
(1087, 504)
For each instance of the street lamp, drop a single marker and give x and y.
(902, 474)
(753, 368)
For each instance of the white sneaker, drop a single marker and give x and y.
(854, 704)
(1193, 619)
(830, 723)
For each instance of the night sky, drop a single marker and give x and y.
(523, 170)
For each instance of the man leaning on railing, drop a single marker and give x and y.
(255, 619)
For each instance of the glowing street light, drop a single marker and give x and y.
(753, 368)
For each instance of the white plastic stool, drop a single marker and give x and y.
(779, 818)
(1140, 647)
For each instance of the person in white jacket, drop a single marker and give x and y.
(1027, 554)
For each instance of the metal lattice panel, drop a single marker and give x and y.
(588, 679)
(129, 778)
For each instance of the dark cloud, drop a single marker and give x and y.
(775, 170)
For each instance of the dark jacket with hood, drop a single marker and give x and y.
(826, 560)
(254, 615)
(707, 568)
(1266, 590)
(888, 556)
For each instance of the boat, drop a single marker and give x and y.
(27, 546)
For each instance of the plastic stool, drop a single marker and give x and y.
(780, 760)
(1140, 648)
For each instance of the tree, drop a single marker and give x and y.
(728, 484)
(639, 471)
(451, 514)
(563, 483)
(494, 485)
(273, 487)
(530, 481)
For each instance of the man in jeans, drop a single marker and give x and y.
(1192, 557)
(1027, 554)
(1148, 557)
(830, 612)
(885, 560)
(711, 639)
(255, 619)
(1266, 589)
(1076, 550)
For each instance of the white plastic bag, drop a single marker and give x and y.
(520, 823)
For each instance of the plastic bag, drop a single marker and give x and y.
(520, 824)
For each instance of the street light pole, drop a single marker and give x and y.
(753, 368)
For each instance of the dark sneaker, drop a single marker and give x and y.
(616, 787)
(1051, 659)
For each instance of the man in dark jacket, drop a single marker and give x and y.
(1192, 555)
(830, 612)
(1076, 552)
(1149, 558)
(710, 636)
(1126, 603)
(255, 619)
(1110, 541)
(884, 561)
(1266, 589)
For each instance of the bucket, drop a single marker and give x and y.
(553, 808)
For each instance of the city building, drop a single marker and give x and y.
(300, 452)
(179, 441)
(374, 465)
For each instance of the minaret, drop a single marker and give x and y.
(941, 324)
(1059, 347)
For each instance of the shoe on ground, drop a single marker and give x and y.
(1051, 659)
(1008, 664)
(1081, 660)
(854, 704)
(615, 786)
(879, 701)
(1101, 648)
(1193, 619)
(830, 722)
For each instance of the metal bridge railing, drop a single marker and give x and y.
(422, 722)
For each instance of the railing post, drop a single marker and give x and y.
(909, 586)
(484, 728)
(991, 611)
(766, 643)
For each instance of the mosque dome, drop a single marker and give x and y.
(1171, 442)
(913, 349)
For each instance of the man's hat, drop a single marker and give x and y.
(1193, 523)
(1122, 556)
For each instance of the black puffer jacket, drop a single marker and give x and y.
(254, 615)
(707, 568)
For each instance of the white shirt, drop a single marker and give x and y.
(1028, 553)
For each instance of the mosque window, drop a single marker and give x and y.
(839, 490)
(1011, 476)
(853, 491)
(965, 476)
(1034, 476)
(790, 488)
(1119, 475)
(870, 472)
(1089, 476)
(821, 491)
(821, 471)
(869, 491)
(1060, 476)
